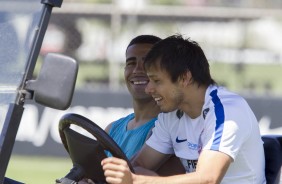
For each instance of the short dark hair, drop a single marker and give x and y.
(150, 39)
(177, 55)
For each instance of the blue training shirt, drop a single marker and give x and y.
(130, 141)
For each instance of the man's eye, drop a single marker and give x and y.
(129, 63)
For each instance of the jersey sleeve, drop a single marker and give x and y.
(231, 134)
(160, 139)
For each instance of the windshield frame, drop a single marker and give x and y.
(13, 94)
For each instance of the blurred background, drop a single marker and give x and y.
(242, 40)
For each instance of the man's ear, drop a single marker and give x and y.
(186, 78)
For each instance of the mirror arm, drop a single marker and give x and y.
(54, 3)
(28, 91)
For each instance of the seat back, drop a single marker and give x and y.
(273, 157)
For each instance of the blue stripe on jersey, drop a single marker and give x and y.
(219, 114)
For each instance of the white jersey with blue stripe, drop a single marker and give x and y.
(227, 124)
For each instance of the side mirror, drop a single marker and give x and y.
(55, 83)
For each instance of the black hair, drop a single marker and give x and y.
(177, 55)
(150, 39)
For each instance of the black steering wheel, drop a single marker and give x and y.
(86, 153)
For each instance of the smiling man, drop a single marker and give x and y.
(212, 130)
(130, 132)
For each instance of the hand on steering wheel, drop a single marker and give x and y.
(86, 153)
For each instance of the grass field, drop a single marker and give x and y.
(38, 170)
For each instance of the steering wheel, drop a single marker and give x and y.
(86, 153)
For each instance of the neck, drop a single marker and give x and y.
(194, 101)
(145, 110)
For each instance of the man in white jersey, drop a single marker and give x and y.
(213, 131)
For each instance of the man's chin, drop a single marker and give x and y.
(163, 109)
(166, 110)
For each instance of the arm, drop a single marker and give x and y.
(145, 162)
(108, 128)
(173, 162)
(165, 169)
(211, 168)
(148, 160)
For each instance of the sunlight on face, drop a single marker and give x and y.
(168, 95)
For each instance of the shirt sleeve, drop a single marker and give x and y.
(160, 139)
(235, 130)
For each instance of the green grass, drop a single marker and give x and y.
(35, 170)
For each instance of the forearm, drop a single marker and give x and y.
(149, 158)
(143, 171)
(193, 178)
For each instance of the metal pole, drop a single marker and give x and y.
(15, 111)
(8, 136)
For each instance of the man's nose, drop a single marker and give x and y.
(139, 66)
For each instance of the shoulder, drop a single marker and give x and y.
(225, 95)
(223, 98)
(108, 128)
(230, 108)
(119, 122)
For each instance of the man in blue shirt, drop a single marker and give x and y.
(131, 132)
